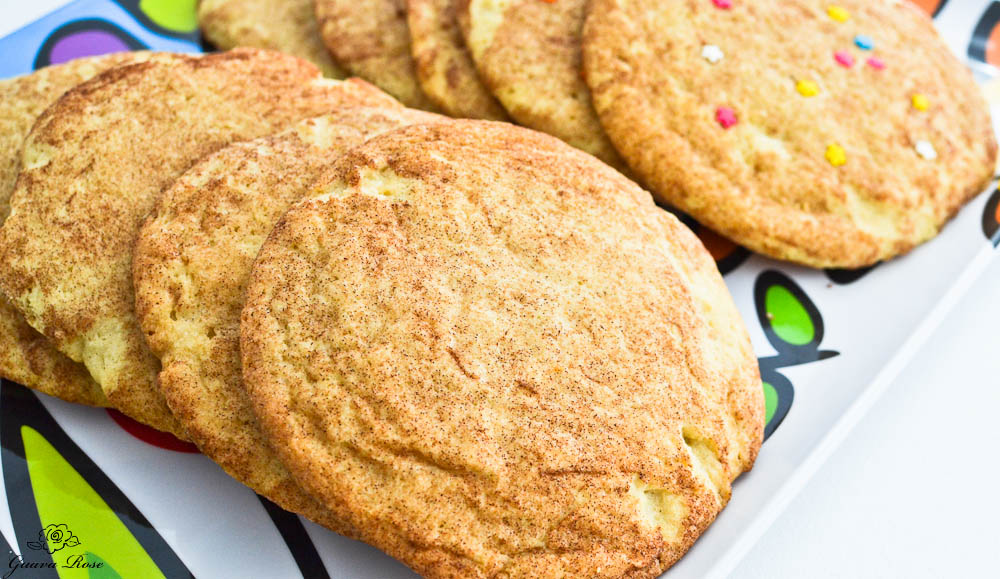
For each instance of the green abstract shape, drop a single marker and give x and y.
(175, 15)
(788, 316)
(64, 497)
(105, 571)
(770, 402)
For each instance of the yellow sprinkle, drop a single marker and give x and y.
(838, 13)
(836, 155)
(807, 88)
(920, 102)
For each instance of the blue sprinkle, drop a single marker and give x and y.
(864, 42)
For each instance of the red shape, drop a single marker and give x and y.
(150, 435)
(929, 6)
(726, 117)
(718, 246)
(993, 46)
(876, 63)
(844, 59)
(724, 4)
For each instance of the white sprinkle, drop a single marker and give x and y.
(926, 150)
(711, 53)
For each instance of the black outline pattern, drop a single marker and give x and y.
(733, 260)
(939, 8)
(297, 539)
(788, 354)
(981, 35)
(848, 276)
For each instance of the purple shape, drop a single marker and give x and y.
(86, 43)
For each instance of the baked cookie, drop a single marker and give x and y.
(27, 357)
(832, 135)
(493, 355)
(528, 54)
(92, 168)
(370, 39)
(285, 25)
(191, 265)
(444, 68)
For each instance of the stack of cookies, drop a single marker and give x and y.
(464, 342)
(480, 348)
(830, 133)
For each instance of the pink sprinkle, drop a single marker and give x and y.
(844, 59)
(726, 117)
(724, 4)
(876, 63)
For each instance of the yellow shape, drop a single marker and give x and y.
(920, 102)
(838, 13)
(836, 155)
(174, 15)
(64, 497)
(807, 88)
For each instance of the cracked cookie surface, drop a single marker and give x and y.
(26, 356)
(92, 167)
(191, 266)
(493, 354)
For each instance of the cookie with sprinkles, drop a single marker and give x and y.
(831, 135)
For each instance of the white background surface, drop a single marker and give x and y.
(912, 492)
